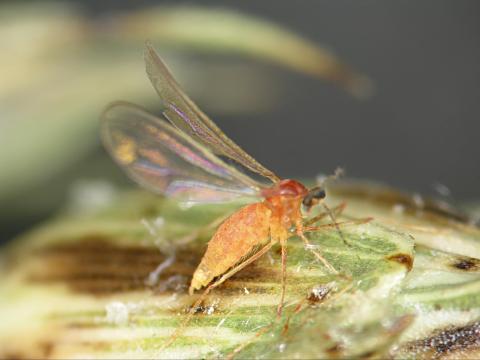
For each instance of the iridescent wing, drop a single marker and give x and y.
(182, 112)
(164, 160)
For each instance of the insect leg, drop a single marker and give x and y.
(324, 261)
(242, 346)
(202, 297)
(301, 305)
(297, 309)
(338, 224)
(337, 211)
(309, 246)
(283, 244)
(334, 221)
(279, 308)
(329, 298)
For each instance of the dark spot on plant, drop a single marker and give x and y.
(368, 354)
(12, 356)
(200, 309)
(450, 340)
(203, 309)
(403, 259)
(318, 294)
(47, 348)
(96, 265)
(335, 350)
(466, 264)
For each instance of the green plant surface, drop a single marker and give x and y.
(88, 284)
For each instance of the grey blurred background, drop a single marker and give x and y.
(420, 128)
(419, 131)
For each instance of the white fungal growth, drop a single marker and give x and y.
(311, 247)
(152, 279)
(154, 226)
(398, 209)
(320, 179)
(418, 200)
(210, 310)
(87, 195)
(185, 205)
(117, 313)
(175, 282)
(156, 229)
(320, 291)
(442, 189)
(219, 325)
(270, 258)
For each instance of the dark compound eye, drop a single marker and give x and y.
(319, 193)
(313, 196)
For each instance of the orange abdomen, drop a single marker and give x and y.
(238, 236)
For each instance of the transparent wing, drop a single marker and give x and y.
(181, 111)
(164, 160)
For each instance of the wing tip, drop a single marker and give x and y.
(112, 111)
(148, 48)
(113, 106)
(149, 53)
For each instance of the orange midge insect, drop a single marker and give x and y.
(194, 161)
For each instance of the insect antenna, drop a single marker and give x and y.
(337, 173)
(331, 215)
(321, 180)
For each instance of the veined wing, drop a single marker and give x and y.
(164, 160)
(181, 111)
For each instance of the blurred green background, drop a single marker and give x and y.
(254, 67)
